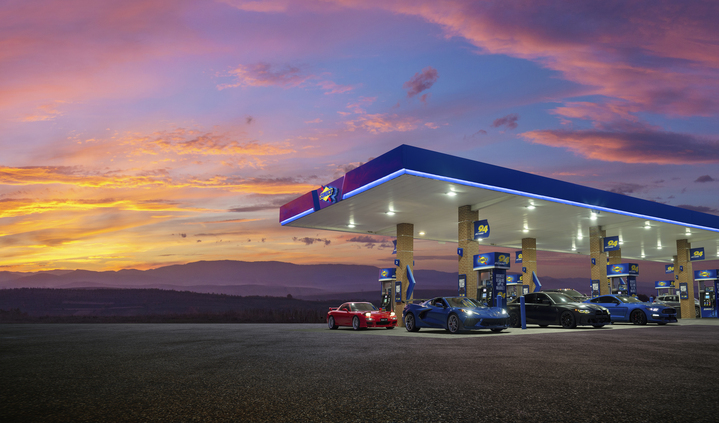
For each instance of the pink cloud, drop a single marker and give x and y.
(287, 76)
(660, 55)
(630, 143)
(265, 75)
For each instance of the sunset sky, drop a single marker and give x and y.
(137, 134)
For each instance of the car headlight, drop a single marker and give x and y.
(392, 314)
(583, 311)
(467, 312)
(654, 309)
(368, 315)
(504, 311)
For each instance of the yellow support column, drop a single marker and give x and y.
(685, 276)
(529, 261)
(599, 267)
(465, 240)
(405, 254)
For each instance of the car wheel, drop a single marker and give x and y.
(598, 326)
(410, 324)
(567, 320)
(331, 323)
(638, 317)
(514, 320)
(453, 324)
(497, 330)
(356, 323)
(697, 312)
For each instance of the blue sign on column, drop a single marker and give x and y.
(696, 254)
(518, 256)
(668, 268)
(683, 291)
(462, 286)
(481, 229)
(611, 243)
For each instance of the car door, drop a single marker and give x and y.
(531, 308)
(613, 304)
(547, 312)
(437, 314)
(342, 316)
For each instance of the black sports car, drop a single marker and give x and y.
(552, 308)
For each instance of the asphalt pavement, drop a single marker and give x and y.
(306, 372)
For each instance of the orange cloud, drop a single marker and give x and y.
(74, 176)
(377, 123)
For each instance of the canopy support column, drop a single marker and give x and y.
(529, 261)
(599, 260)
(470, 247)
(683, 269)
(405, 255)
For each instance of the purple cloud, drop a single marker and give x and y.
(421, 82)
(509, 121)
(705, 178)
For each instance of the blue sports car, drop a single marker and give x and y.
(454, 314)
(623, 308)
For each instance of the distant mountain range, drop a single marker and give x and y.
(270, 278)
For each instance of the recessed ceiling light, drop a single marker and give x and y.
(451, 193)
(390, 213)
(525, 230)
(531, 207)
(421, 233)
(350, 225)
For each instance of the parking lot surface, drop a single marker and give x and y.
(306, 372)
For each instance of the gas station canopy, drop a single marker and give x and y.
(426, 188)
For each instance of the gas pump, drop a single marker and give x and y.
(492, 268)
(708, 284)
(615, 273)
(514, 285)
(387, 278)
(484, 293)
(663, 285)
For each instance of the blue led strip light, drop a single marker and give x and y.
(297, 216)
(373, 184)
(541, 197)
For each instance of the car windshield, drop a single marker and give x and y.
(477, 303)
(572, 293)
(628, 299)
(362, 307)
(460, 302)
(560, 298)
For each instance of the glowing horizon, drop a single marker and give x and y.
(139, 134)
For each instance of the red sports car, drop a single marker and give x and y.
(360, 316)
